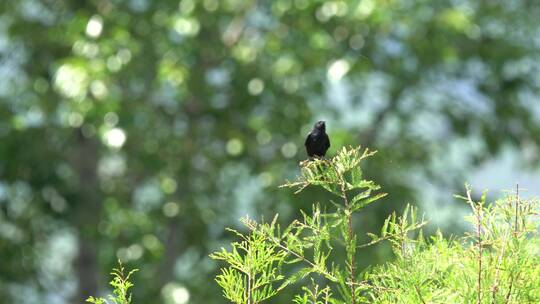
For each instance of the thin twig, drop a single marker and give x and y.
(478, 215)
(326, 295)
(512, 279)
(517, 209)
(314, 292)
(325, 273)
(277, 242)
(479, 235)
(419, 294)
(352, 266)
(495, 286)
(249, 274)
(249, 288)
(507, 299)
(310, 263)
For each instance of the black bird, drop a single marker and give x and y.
(317, 141)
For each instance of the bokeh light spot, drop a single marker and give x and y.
(356, 42)
(124, 55)
(266, 179)
(98, 89)
(71, 81)
(235, 147)
(168, 185)
(211, 5)
(187, 26)
(114, 64)
(264, 137)
(365, 8)
(174, 293)
(337, 70)
(255, 86)
(110, 166)
(111, 119)
(186, 6)
(88, 130)
(115, 138)
(171, 209)
(94, 26)
(289, 150)
(131, 253)
(75, 119)
(151, 242)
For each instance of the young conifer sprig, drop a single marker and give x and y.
(121, 285)
(342, 176)
(255, 265)
(309, 246)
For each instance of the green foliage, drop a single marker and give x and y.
(225, 88)
(314, 295)
(120, 284)
(307, 246)
(497, 262)
(255, 266)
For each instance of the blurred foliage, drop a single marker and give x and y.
(140, 129)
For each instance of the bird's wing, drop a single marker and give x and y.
(307, 139)
(327, 141)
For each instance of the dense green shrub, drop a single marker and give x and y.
(496, 263)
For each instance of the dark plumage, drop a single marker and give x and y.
(317, 141)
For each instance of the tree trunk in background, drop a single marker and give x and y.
(87, 213)
(87, 270)
(172, 250)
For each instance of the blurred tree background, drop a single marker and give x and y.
(139, 129)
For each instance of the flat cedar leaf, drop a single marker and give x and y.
(360, 196)
(288, 230)
(384, 228)
(372, 236)
(357, 205)
(302, 273)
(356, 175)
(295, 260)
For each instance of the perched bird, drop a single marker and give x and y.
(317, 141)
